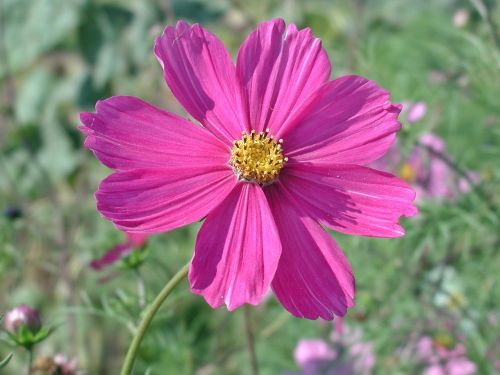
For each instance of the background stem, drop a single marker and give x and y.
(250, 340)
(150, 313)
(141, 288)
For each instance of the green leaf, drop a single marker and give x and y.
(6, 360)
(30, 28)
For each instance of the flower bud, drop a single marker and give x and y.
(22, 316)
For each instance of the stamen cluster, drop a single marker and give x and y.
(257, 157)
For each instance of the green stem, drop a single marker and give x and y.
(30, 360)
(128, 364)
(141, 288)
(251, 340)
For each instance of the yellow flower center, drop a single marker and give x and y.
(407, 172)
(443, 340)
(257, 157)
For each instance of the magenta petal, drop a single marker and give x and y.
(128, 133)
(111, 256)
(158, 200)
(170, 172)
(279, 67)
(201, 75)
(313, 279)
(137, 239)
(237, 250)
(349, 120)
(351, 199)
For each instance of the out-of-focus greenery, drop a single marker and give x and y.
(58, 57)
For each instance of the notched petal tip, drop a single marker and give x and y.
(398, 107)
(201, 75)
(86, 118)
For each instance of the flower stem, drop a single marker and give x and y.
(128, 364)
(250, 340)
(141, 288)
(30, 360)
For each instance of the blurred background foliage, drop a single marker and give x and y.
(57, 57)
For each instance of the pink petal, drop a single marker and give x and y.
(351, 199)
(170, 172)
(201, 75)
(461, 366)
(159, 200)
(433, 141)
(434, 370)
(279, 67)
(127, 133)
(111, 256)
(134, 240)
(416, 112)
(237, 250)
(349, 120)
(309, 351)
(313, 279)
(137, 239)
(425, 348)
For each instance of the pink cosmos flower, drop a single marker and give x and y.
(415, 112)
(58, 364)
(345, 354)
(441, 360)
(65, 366)
(279, 151)
(313, 354)
(133, 241)
(461, 18)
(430, 175)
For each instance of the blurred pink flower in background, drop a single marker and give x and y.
(118, 252)
(344, 354)
(313, 354)
(431, 174)
(441, 360)
(56, 365)
(65, 366)
(282, 150)
(431, 177)
(461, 18)
(415, 112)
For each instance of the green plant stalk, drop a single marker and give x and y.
(250, 340)
(30, 361)
(128, 363)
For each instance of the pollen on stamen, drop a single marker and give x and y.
(257, 157)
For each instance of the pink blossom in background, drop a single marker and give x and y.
(440, 360)
(281, 151)
(432, 173)
(313, 354)
(65, 366)
(58, 364)
(390, 161)
(431, 177)
(415, 112)
(118, 252)
(461, 18)
(344, 354)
